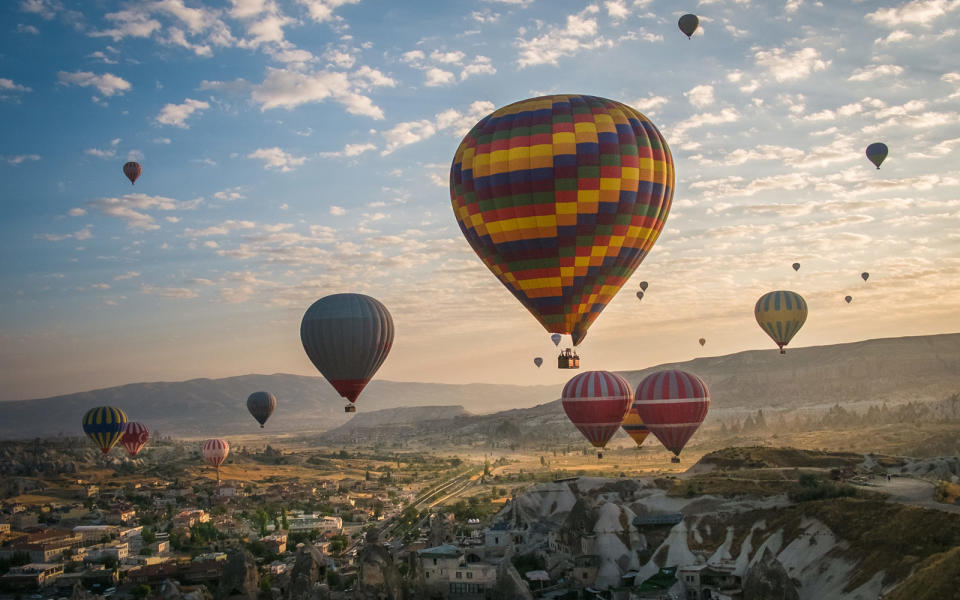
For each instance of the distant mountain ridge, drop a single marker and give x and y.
(884, 370)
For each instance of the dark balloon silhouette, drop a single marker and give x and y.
(849, 299)
(688, 24)
(261, 405)
(796, 266)
(132, 170)
(877, 152)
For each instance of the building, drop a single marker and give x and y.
(121, 515)
(445, 570)
(710, 581)
(4, 527)
(300, 521)
(93, 534)
(188, 518)
(277, 543)
(32, 575)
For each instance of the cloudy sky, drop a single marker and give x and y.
(293, 149)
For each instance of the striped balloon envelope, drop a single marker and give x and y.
(562, 197)
(132, 171)
(596, 403)
(104, 425)
(781, 314)
(135, 436)
(672, 404)
(215, 451)
(347, 337)
(634, 426)
(261, 405)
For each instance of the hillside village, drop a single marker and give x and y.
(731, 528)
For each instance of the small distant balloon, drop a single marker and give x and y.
(261, 405)
(639, 295)
(781, 314)
(796, 266)
(134, 438)
(538, 361)
(688, 24)
(876, 153)
(849, 299)
(555, 338)
(132, 170)
(702, 342)
(643, 285)
(865, 276)
(105, 426)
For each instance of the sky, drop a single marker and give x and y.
(295, 149)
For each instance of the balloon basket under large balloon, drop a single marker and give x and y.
(568, 360)
(599, 455)
(675, 460)
(261, 427)
(782, 351)
(349, 408)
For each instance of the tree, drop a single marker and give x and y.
(284, 523)
(141, 591)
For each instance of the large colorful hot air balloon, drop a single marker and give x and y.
(596, 403)
(562, 197)
(135, 436)
(672, 404)
(876, 153)
(538, 361)
(104, 425)
(781, 314)
(556, 338)
(796, 266)
(261, 405)
(634, 426)
(215, 451)
(688, 24)
(347, 337)
(132, 170)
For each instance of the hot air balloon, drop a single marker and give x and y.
(347, 337)
(556, 338)
(215, 451)
(596, 403)
(639, 295)
(261, 406)
(644, 285)
(848, 299)
(702, 342)
(633, 425)
(688, 24)
(562, 197)
(104, 425)
(865, 276)
(796, 266)
(672, 404)
(134, 438)
(132, 170)
(781, 314)
(876, 153)
(538, 361)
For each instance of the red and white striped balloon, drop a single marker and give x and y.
(215, 451)
(135, 436)
(672, 404)
(596, 402)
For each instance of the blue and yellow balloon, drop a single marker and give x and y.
(104, 425)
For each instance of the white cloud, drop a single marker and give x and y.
(108, 153)
(76, 212)
(480, 66)
(700, 96)
(337, 211)
(455, 57)
(790, 67)
(350, 150)
(873, 72)
(230, 194)
(411, 132)
(895, 37)
(579, 33)
(161, 140)
(107, 84)
(79, 235)
(9, 89)
(284, 88)
(617, 9)
(367, 77)
(21, 28)
(222, 229)
(322, 10)
(168, 292)
(277, 158)
(19, 159)
(100, 286)
(437, 77)
(127, 275)
(916, 12)
(177, 114)
(649, 104)
(129, 23)
(131, 207)
(413, 57)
